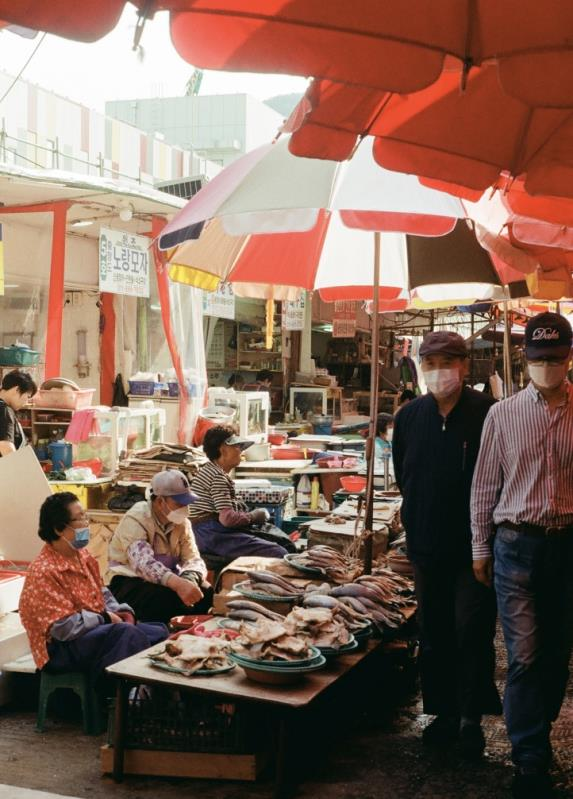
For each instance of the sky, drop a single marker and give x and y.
(111, 70)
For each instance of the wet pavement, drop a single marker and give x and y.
(375, 753)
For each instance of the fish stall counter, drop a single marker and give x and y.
(280, 663)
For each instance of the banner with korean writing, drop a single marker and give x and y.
(293, 313)
(123, 263)
(220, 303)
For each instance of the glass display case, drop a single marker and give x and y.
(116, 432)
(253, 408)
(308, 402)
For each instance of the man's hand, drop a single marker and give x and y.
(483, 571)
(188, 592)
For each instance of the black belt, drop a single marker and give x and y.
(538, 529)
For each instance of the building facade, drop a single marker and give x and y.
(218, 127)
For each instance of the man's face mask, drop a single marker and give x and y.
(178, 515)
(442, 382)
(546, 374)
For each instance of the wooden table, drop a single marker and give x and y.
(288, 702)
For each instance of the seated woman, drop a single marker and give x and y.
(154, 563)
(384, 426)
(220, 521)
(73, 622)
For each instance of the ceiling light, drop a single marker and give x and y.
(11, 285)
(126, 212)
(82, 223)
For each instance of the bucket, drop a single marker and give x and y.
(61, 455)
(322, 425)
(211, 417)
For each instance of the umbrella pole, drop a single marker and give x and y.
(508, 379)
(374, 383)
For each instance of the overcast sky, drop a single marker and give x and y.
(110, 70)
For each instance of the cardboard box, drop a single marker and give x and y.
(236, 571)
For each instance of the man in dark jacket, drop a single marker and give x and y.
(435, 446)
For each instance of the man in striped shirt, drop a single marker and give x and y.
(523, 492)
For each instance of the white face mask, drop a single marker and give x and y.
(442, 382)
(178, 516)
(389, 434)
(547, 375)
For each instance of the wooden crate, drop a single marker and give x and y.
(200, 765)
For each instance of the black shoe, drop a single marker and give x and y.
(472, 741)
(531, 785)
(443, 730)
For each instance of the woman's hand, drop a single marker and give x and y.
(114, 618)
(187, 591)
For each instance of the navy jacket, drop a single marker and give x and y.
(434, 461)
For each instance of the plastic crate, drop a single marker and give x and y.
(192, 389)
(142, 388)
(292, 524)
(61, 398)
(18, 356)
(169, 720)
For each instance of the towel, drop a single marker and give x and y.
(80, 426)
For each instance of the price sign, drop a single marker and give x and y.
(293, 313)
(123, 263)
(220, 303)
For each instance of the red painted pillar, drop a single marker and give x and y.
(157, 224)
(56, 292)
(107, 349)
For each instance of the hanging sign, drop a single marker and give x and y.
(344, 319)
(343, 328)
(220, 303)
(293, 312)
(123, 263)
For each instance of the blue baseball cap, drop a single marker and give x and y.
(173, 483)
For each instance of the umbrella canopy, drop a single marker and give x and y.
(415, 271)
(269, 190)
(394, 45)
(464, 138)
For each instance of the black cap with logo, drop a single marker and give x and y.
(548, 335)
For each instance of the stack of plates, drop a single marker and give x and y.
(279, 672)
(328, 651)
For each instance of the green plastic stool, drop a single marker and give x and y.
(77, 682)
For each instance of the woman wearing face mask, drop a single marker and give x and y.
(154, 563)
(73, 622)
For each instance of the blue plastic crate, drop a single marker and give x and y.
(142, 388)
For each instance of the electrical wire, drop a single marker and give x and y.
(19, 75)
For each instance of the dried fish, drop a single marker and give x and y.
(191, 653)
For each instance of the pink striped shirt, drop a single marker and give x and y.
(524, 471)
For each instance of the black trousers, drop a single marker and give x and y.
(457, 619)
(153, 602)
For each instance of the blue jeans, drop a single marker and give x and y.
(103, 646)
(534, 586)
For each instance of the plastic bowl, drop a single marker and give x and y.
(277, 439)
(353, 483)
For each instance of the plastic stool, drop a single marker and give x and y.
(77, 682)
